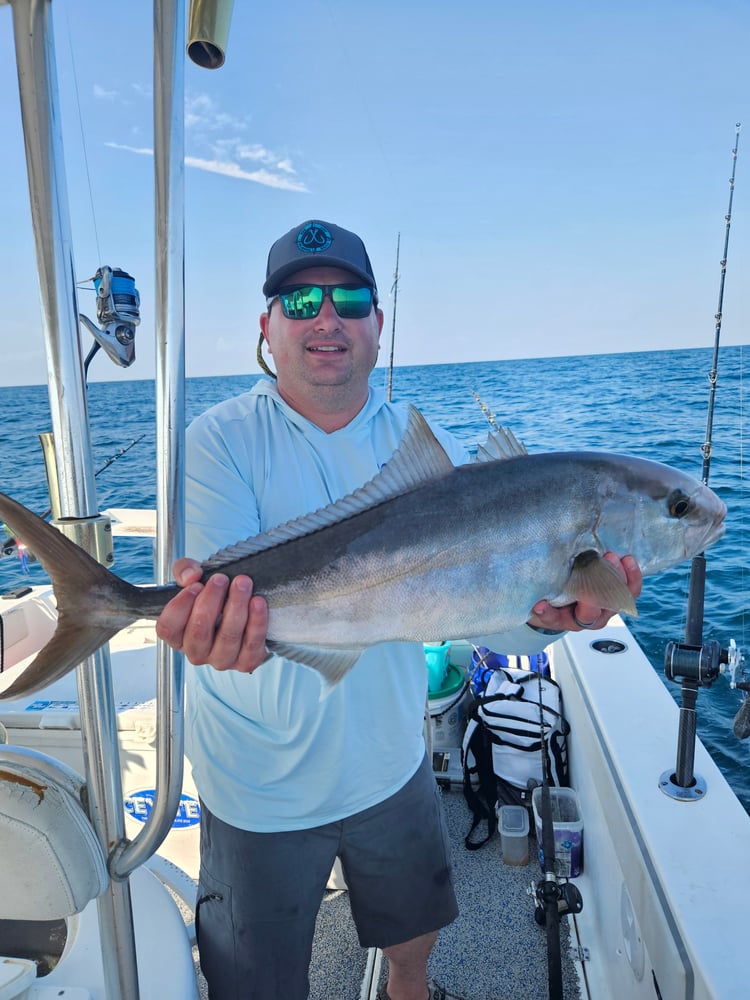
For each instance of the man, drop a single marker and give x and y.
(289, 780)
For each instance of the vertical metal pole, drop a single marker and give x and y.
(169, 162)
(169, 73)
(49, 210)
(37, 82)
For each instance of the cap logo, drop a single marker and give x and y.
(314, 238)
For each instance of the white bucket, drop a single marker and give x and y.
(448, 713)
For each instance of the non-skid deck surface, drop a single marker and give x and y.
(493, 951)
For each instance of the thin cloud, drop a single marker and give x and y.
(104, 95)
(202, 113)
(225, 167)
(261, 176)
(230, 150)
(140, 150)
(216, 144)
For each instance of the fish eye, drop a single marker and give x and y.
(679, 504)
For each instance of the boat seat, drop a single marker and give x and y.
(51, 862)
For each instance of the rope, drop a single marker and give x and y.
(261, 360)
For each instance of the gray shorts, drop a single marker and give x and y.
(259, 893)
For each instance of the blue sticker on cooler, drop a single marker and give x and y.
(139, 804)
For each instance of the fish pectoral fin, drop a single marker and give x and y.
(596, 581)
(331, 664)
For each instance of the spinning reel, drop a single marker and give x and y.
(118, 312)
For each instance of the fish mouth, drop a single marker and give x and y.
(718, 529)
(718, 526)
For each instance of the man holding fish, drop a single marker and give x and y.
(292, 773)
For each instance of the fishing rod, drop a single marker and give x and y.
(548, 890)
(10, 545)
(696, 596)
(694, 663)
(394, 290)
(555, 899)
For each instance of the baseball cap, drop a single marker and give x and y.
(316, 244)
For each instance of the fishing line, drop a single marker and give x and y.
(83, 137)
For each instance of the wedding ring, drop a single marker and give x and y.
(581, 624)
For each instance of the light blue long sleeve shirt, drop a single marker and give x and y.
(268, 753)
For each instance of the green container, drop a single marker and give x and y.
(437, 665)
(452, 682)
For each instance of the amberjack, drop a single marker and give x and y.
(425, 549)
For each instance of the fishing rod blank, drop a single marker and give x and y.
(396, 276)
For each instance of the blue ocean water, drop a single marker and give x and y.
(651, 404)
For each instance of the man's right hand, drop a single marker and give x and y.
(218, 622)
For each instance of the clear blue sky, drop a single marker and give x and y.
(558, 171)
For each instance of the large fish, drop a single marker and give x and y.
(424, 549)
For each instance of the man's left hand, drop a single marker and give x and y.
(579, 616)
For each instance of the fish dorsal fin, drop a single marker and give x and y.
(418, 459)
(501, 444)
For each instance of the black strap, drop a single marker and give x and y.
(481, 802)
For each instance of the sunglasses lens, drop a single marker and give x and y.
(302, 303)
(349, 301)
(352, 302)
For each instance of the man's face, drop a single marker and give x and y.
(326, 351)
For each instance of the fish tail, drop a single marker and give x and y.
(85, 593)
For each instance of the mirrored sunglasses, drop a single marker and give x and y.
(306, 301)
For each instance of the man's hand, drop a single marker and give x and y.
(217, 622)
(576, 617)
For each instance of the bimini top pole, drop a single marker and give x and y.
(35, 57)
(209, 25)
(169, 285)
(50, 216)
